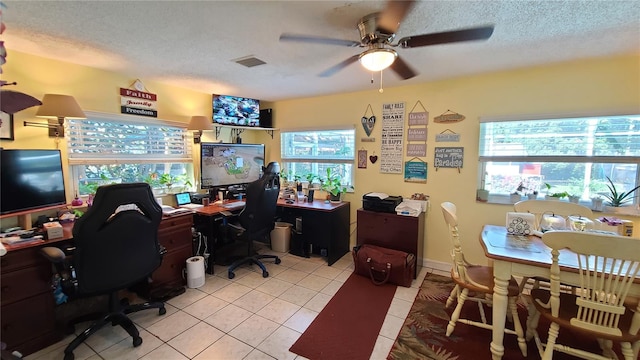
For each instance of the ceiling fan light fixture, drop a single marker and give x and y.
(378, 59)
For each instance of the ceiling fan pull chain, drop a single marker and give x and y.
(381, 90)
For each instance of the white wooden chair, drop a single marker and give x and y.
(541, 207)
(476, 279)
(608, 265)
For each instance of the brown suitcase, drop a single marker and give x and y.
(384, 265)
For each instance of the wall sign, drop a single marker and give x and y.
(448, 136)
(136, 100)
(417, 132)
(362, 159)
(448, 157)
(449, 117)
(415, 171)
(392, 138)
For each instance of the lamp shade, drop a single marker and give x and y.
(200, 122)
(378, 59)
(60, 106)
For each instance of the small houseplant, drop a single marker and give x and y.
(555, 195)
(332, 184)
(618, 199)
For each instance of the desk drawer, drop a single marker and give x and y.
(17, 259)
(24, 283)
(175, 238)
(27, 320)
(177, 221)
(170, 272)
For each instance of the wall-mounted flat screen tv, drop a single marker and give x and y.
(30, 179)
(234, 110)
(224, 165)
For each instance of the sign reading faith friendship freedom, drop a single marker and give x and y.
(392, 138)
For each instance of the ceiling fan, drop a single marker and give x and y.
(377, 32)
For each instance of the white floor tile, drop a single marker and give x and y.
(228, 318)
(278, 310)
(254, 330)
(314, 282)
(205, 307)
(164, 352)
(382, 348)
(301, 320)
(189, 297)
(292, 276)
(231, 292)
(172, 325)
(298, 295)
(278, 343)
(399, 308)
(227, 347)
(318, 302)
(195, 339)
(275, 286)
(124, 350)
(254, 301)
(391, 326)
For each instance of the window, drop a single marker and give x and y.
(106, 148)
(313, 151)
(574, 156)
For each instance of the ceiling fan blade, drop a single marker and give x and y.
(334, 69)
(318, 40)
(403, 69)
(479, 33)
(392, 16)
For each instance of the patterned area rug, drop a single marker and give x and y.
(423, 334)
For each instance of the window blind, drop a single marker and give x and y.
(119, 139)
(596, 139)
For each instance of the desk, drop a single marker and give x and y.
(28, 310)
(521, 256)
(325, 225)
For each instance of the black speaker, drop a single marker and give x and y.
(266, 118)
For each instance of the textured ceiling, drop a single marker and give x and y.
(193, 44)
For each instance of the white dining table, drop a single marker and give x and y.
(522, 256)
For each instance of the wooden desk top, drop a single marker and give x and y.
(317, 205)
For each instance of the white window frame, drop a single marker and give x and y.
(178, 143)
(287, 159)
(488, 149)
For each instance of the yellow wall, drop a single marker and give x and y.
(597, 86)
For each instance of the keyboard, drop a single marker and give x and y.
(234, 205)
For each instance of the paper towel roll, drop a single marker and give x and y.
(195, 271)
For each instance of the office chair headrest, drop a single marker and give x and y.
(272, 168)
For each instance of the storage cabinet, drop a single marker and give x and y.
(174, 234)
(27, 315)
(399, 232)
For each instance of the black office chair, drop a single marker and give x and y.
(116, 247)
(257, 219)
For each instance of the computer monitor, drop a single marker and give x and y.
(224, 165)
(30, 179)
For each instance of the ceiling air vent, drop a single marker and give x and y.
(249, 61)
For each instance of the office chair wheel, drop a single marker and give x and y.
(137, 341)
(278, 261)
(162, 311)
(265, 274)
(68, 356)
(231, 275)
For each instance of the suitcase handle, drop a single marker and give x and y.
(386, 271)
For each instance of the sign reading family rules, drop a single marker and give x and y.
(392, 138)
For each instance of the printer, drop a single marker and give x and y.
(380, 202)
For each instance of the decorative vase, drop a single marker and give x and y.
(596, 204)
(514, 198)
(532, 196)
(335, 198)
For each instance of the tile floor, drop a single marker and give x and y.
(249, 317)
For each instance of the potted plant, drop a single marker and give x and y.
(616, 199)
(555, 195)
(311, 187)
(332, 184)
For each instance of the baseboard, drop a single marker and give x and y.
(437, 267)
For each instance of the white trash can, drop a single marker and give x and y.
(281, 237)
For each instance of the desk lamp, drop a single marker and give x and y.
(199, 123)
(58, 107)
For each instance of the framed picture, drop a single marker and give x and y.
(362, 159)
(6, 126)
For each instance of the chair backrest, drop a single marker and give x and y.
(116, 240)
(258, 215)
(540, 207)
(451, 218)
(608, 265)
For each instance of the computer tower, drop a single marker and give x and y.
(266, 118)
